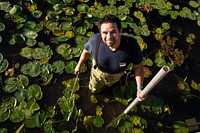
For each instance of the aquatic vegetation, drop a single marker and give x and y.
(44, 38)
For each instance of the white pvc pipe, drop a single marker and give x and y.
(159, 76)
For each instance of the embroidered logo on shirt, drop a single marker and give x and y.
(122, 64)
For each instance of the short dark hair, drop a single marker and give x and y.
(109, 18)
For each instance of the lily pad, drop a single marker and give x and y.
(15, 10)
(17, 39)
(27, 52)
(98, 121)
(31, 42)
(29, 25)
(15, 83)
(66, 26)
(82, 8)
(61, 49)
(36, 13)
(69, 84)
(16, 115)
(34, 92)
(58, 66)
(81, 40)
(21, 95)
(3, 65)
(123, 10)
(2, 26)
(31, 68)
(1, 57)
(66, 107)
(69, 11)
(30, 34)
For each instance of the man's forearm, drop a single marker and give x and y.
(84, 56)
(139, 74)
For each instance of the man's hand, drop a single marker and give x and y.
(77, 70)
(138, 95)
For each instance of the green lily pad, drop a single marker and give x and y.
(3, 130)
(194, 4)
(15, 83)
(62, 38)
(58, 66)
(69, 11)
(87, 24)
(123, 10)
(29, 25)
(69, 84)
(66, 26)
(82, 8)
(36, 13)
(1, 57)
(87, 120)
(31, 68)
(2, 26)
(27, 52)
(70, 66)
(155, 103)
(71, 53)
(3, 65)
(81, 40)
(4, 5)
(46, 68)
(112, 2)
(31, 42)
(21, 95)
(34, 92)
(166, 25)
(4, 116)
(52, 25)
(30, 109)
(36, 120)
(80, 30)
(98, 121)
(17, 39)
(15, 10)
(53, 2)
(61, 49)
(30, 34)
(38, 53)
(66, 107)
(16, 115)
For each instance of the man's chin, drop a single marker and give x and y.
(110, 44)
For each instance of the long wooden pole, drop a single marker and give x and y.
(156, 79)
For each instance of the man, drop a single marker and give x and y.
(112, 53)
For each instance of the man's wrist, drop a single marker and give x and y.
(140, 87)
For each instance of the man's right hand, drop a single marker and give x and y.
(77, 70)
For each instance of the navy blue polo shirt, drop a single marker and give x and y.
(115, 61)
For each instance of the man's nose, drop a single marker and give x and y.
(109, 35)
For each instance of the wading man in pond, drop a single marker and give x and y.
(112, 52)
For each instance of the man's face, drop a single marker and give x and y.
(110, 34)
